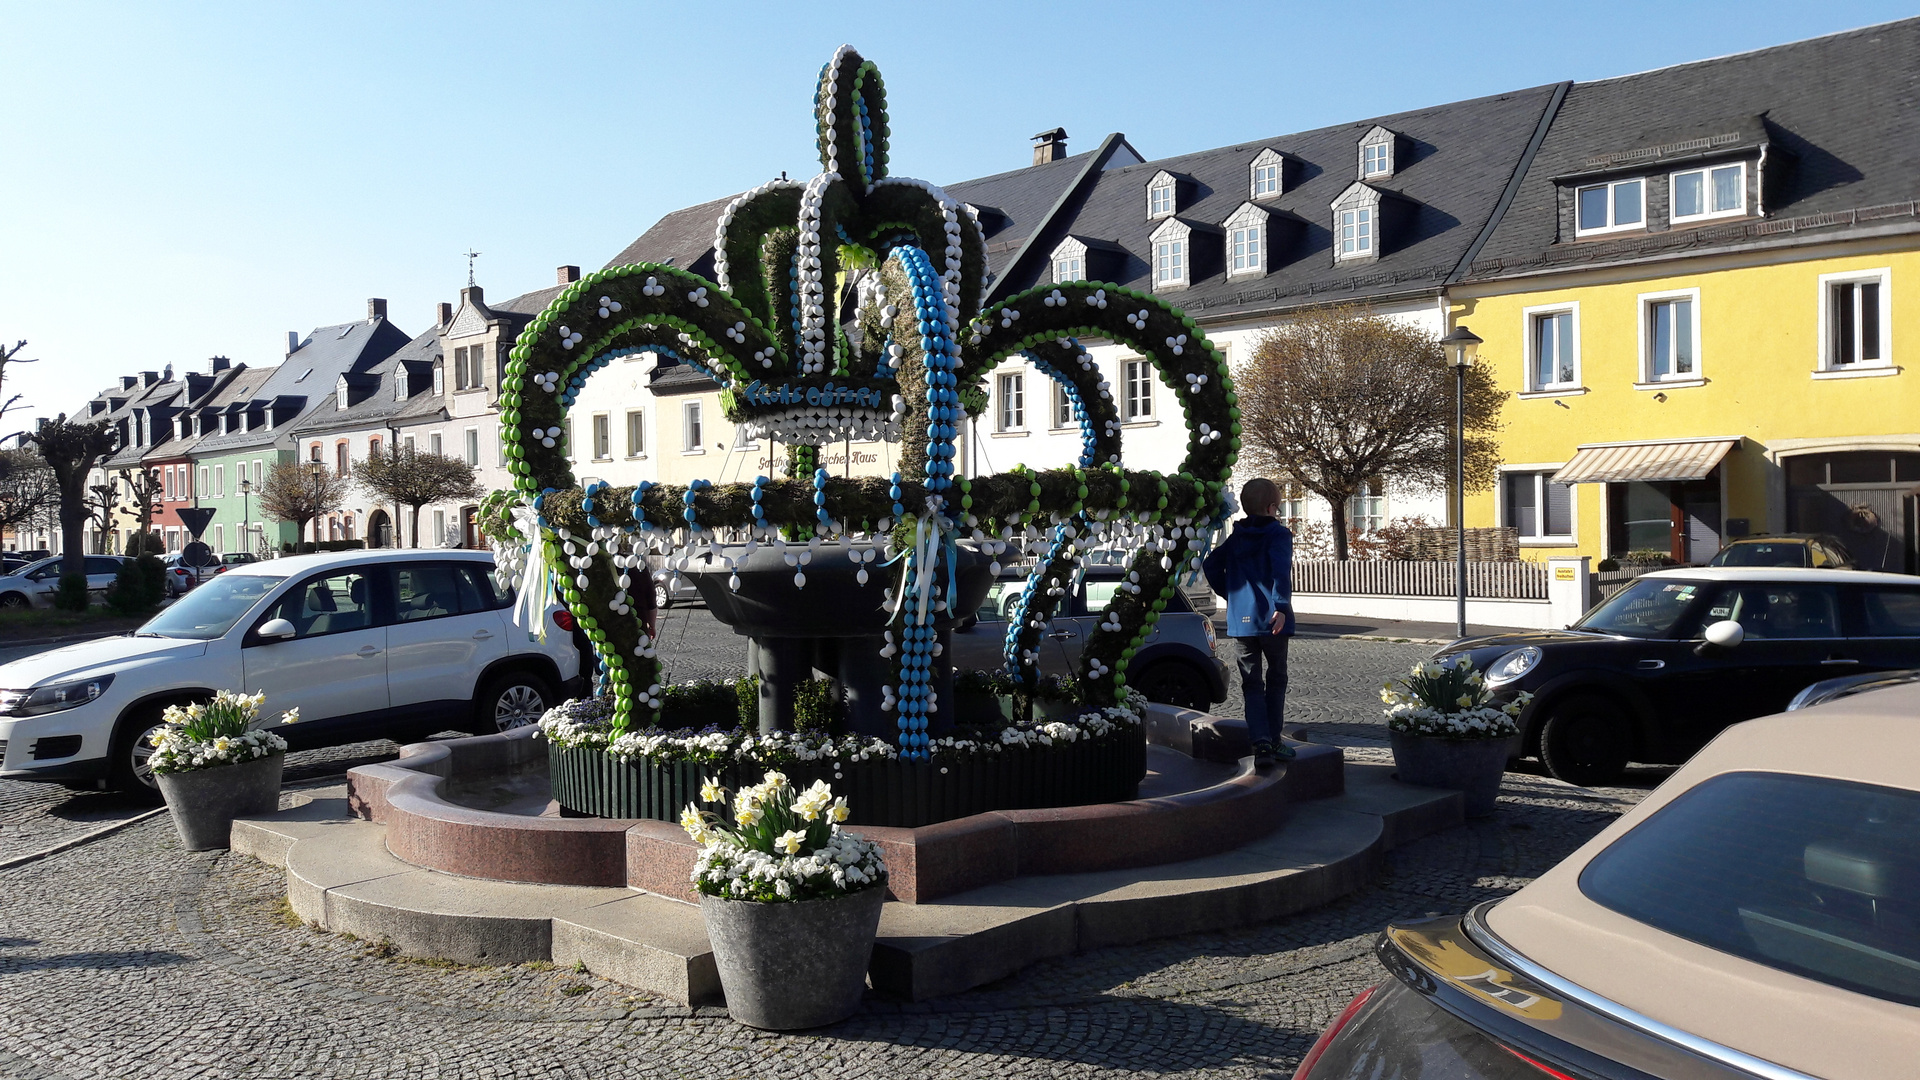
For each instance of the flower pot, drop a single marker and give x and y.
(1471, 766)
(204, 802)
(796, 965)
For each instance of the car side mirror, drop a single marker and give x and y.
(276, 630)
(1721, 637)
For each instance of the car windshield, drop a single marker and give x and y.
(1779, 553)
(1647, 607)
(211, 610)
(1805, 874)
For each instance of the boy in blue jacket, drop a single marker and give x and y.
(1253, 571)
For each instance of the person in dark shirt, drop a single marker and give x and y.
(1253, 572)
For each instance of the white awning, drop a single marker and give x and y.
(1652, 462)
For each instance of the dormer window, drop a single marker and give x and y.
(1246, 241)
(1266, 175)
(1699, 194)
(223, 423)
(1356, 223)
(340, 393)
(400, 384)
(439, 376)
(1610, 207)
(1376, 154)
(1069, 261)
(1162, 195)
(1172, 255)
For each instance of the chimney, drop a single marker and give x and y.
(293, 342)
(1049, 146)
(473, 296)
(128, 382)
(567, 275)
(442, 315)
(376, 309)
(218, 364)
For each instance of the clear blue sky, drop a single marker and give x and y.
(182, 181)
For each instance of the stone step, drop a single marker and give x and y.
(341, 876)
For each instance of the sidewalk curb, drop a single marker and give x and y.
(1374, 637)
(84, 838)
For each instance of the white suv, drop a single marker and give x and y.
(368, 644)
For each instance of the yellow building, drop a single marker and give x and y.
(1700, 300)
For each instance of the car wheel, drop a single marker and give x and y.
(512, 700)
(131, 769)
(1172, 683)
(662, 596)
(1586, 741)
(15, 600)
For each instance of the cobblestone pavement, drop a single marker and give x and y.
(129, 957)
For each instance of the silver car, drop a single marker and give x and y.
(1175, 665)
(33, 585)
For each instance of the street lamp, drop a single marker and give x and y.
(318, 471)
(1461, 345)
(246, 515)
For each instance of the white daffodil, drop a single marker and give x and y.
(790, 841)
(711, 791)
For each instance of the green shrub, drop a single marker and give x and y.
(706, 703)
(145, 544)
(1607, 566)
(747, 690)
(139, 586)
(71, 593)
(816, 708)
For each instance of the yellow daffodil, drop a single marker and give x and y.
(747, 814)
(711, 791)
(691, 821)
(839, 812)
(790, 842)
(1465, 701)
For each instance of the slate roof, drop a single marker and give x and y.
(304, 382)
(683, 238)
(1028, 196)
(1843, 111)
(1453, 163)
(379, 405)
(157, 397)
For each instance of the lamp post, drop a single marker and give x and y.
(1461, 346)
(318, 471)
(246, 514)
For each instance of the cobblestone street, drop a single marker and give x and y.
(129, 957)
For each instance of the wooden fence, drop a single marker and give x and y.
(1504, 580)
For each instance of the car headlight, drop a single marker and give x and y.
(1513, 665)
(51, 699)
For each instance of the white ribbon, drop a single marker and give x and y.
(536, 580)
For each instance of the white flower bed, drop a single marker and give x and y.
(584, 723)
(779, 844)
(1449, 701)
(214, 733)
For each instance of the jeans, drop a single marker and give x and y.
(1265, 697)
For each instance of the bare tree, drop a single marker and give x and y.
(103, 501)
(143, 491)
(1341, 397)
(28, 490)
(8, 358)
(412, 479)
(71, 450)
(296, 491)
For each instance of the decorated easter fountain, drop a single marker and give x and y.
(851, 306)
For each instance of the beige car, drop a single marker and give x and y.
(1758, 915)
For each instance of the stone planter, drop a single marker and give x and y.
(204, 802)
(1471, 766)
(785, 967)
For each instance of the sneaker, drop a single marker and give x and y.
(1263, 755)
(1283, 751)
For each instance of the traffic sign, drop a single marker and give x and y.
(199, 555)
(195, 519)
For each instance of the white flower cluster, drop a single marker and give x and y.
(720, 267)
(1450, 701)
(584, 723)
(819, 424)
(846, 863)
(1481, 722)
(213, 733)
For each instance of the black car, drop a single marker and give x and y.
(1818, 550)
(1660, 667)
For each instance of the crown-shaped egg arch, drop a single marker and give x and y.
(904, 264)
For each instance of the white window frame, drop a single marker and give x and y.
(259, 473)
(219, 481)
(500, 445)
(1246, 241)
(439, 529)
(603, 436)
(1611, 226)
(1136, 374)
(691, 431)
(471, 444)
(1160, 200)
(1068, 268)
(1379, 492)
(1832, 366)
(1060, 411)
(204, 485)
(1266, 176)
(1705, 172)
(1649, 381)
(1531, 317)
(1010, 401)
(1542, 472)
(1169, 262)
(1365, 232)
(1379, 151)
(436, 445)
(636, 440)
